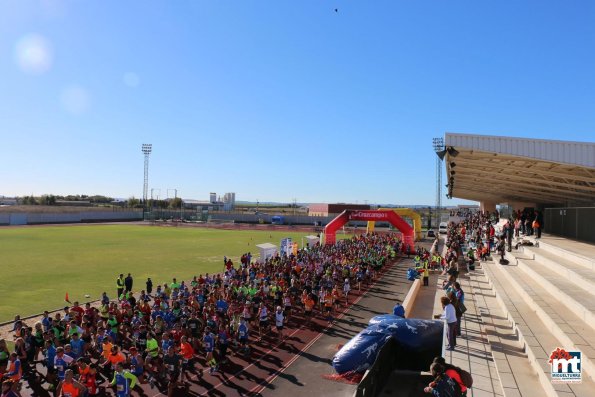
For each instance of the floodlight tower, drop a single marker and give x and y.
(146, 148)
(438, 144)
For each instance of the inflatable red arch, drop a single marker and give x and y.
(330, 231)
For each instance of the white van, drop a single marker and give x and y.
(442, 227)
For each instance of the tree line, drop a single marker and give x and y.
(132, 202)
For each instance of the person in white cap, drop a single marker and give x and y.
(346, 289)
(279, 322)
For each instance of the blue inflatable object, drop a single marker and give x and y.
(415, 337)
(383, 318)
(361, 351)
(412, 274)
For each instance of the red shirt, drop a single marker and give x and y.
(453, 374)
(79, 312)
(186, 350)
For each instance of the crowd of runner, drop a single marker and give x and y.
(164, 336)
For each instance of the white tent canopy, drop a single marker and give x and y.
(312, 240)
(267, 250)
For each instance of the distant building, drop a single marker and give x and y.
(8, 200)
(229, 201)
(74, 203)
(202, 205)
(334, 209)
(213, 197)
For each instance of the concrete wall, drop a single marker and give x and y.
(576, 223)
(75, 217)
(289, 219)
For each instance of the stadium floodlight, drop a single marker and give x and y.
(146, 149)
(452, 151)
(438, 145)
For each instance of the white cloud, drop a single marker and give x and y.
(33, 54)
(75, 99)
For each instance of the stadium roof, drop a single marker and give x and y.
(503, 170)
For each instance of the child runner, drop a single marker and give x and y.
(208, 342)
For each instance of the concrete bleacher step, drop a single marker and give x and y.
(582, 276)
(580, 259)
(516, 377)
(538, 337)
(562, 288)
(566, 326)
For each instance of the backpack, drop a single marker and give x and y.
(466, 377)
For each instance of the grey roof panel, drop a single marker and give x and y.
(566, 152)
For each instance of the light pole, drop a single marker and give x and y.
(175, 193)
(438, 144)
(146, 149)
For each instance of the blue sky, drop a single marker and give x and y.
(277, 100)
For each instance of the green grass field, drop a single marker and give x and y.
(40, 264)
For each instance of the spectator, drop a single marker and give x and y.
(454, 373)
(128, 283)
(399, 310)
(442, 385)
(537, 226)
(449, 315)
(119, 286)
(149, 286)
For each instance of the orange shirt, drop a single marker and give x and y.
(309, 304)
(107, 350)
(11, 368)
(84, 372)
(68, 389)
(336, 294)
(116, 358)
